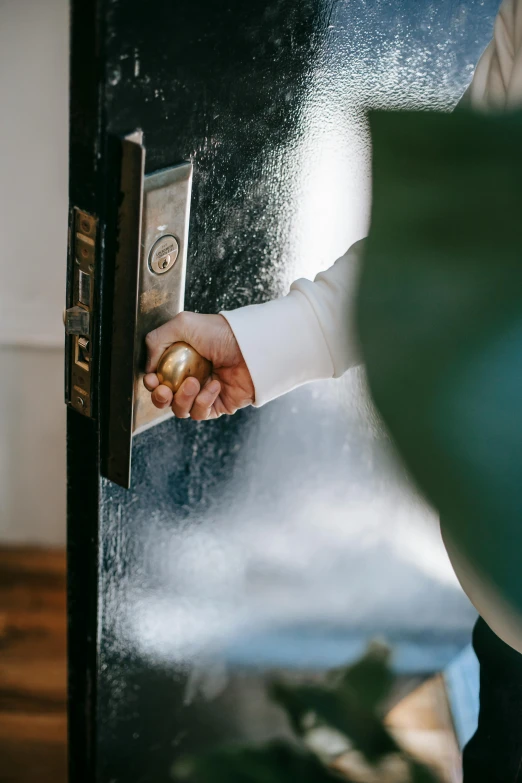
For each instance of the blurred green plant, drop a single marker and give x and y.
(339, 735)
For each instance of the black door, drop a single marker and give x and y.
(282, 537)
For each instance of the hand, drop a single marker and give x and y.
(230, 386)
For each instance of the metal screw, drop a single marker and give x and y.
(80, 401)
(85, 226)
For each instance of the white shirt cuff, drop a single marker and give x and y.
(282, 344)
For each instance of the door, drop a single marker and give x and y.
(283, 537)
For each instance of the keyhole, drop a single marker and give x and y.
(163, 254)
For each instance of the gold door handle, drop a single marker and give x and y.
(179, 362)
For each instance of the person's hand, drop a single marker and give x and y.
(229, 388)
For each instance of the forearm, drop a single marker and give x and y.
(305, 336)
(309, 334)
(497, 81)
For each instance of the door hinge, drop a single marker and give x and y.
(79, 317)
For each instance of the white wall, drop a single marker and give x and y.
(33, 236)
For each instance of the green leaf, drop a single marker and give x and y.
(348, 703)
(277, 762)
(339, 709)
(370, 679)
(421, 774)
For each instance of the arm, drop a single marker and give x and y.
(263, 351)
(314, 336)
(304, 336)
(497, 82)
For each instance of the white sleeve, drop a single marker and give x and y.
(497, 83)
(305, 336)
(308, 335)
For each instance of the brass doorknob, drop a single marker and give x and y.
(181, 361)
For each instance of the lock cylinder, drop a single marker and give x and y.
(163, 254)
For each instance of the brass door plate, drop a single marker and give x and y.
(79, 316)
(149, 290)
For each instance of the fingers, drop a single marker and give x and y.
(185, 397)
(210, 335)
(159, 340)
(203, 407)
(151, 381)
(192, 402)
(189, 402)
(162, 397)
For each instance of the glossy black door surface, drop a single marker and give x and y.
(282, 537)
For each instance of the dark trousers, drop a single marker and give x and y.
(494, 754)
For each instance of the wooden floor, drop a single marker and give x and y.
(422, 724)
(33, 729)
(33, 681)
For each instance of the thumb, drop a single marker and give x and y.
(160, 339)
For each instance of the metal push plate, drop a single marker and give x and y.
(163, 263)
(149, 290)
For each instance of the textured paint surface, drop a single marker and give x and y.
(283, 536)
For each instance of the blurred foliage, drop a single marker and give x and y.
(348, 707)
